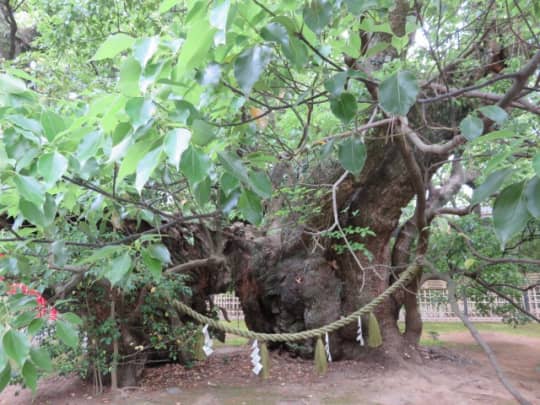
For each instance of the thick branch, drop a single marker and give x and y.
(192, 264)
(438, 149)
(520, 81)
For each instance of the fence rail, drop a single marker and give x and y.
(433, 303)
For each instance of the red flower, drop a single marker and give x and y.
(42, 302)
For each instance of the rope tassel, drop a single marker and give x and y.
(359, 333)
(321, 362)
(374, 332)
(207, 347)
(327, 347)
(199, 344)
(265, 361)
(256, 358)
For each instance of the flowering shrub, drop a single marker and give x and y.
(24, 312)
(42, 307)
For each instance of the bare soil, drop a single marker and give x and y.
(461, 375)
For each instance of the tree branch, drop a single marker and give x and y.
(487, 349)
(192, 264)
(475, 277)
(500, 260)
(451, 285)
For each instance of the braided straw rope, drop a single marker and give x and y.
(405, 277)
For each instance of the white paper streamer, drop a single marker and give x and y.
(327, 347)
(207, 346)
(359, 337)
(256, 358)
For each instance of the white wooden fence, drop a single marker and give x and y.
(434, 306)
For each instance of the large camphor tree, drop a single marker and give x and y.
(298, 153)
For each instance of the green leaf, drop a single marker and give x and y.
(32, 213)
(194, 164)
(195, 49)
(397, 94)
(184, 112)
(211, 75)
(203, 133)
(30, 189)
(25, 123)
(67, 333)
(29, 375)
(492, 184)
(175, 144)
(536, 164)
(344, 107)
(41, 358)
(3, 359)
(144, 49)
(160, 252)
(250, 207)
(352, 155)
(532, 195)
(5, 377)
(146, 167)
(113, 45)
(153, 265)
(140, 110)
(132, 158)
(52, 167)
(494, 113)
(167, 5)
(317, 15)
(275, 32)
(336, 84)
(233, 165)
(52, 124)
(118, 268)
(119, 150)
(89, 146)
(493, 136)
(471, 127)
(16, 346)
(103, 253)
(72, 318)
(12, 85)
(358, 7)
(35, 326)
(249, 66)
(510, 213)
(202, 190)
(219, 13)
(228, 182)
(260, 184)
(130, 73)
(23, 320)
(296, 52)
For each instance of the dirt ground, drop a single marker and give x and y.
(462, 377)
